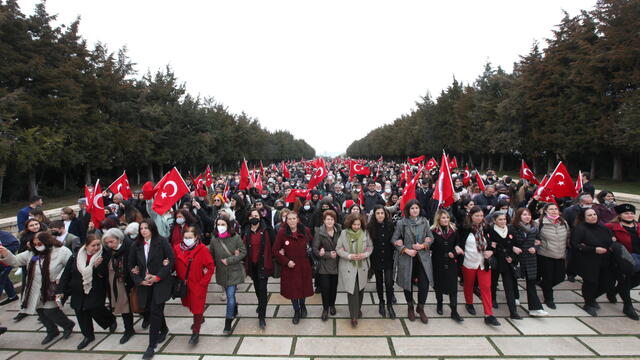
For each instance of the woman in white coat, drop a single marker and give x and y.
(354, 248)
(45, 263)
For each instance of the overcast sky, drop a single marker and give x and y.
(327, 71)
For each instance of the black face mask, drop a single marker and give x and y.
(55, 233)
(254, 221)
(279, 207)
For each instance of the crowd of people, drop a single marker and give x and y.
(346, 230)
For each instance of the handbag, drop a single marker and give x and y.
(179, 289)
(621, 256)
(134, 303)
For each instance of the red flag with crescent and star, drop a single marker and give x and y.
(416, 160)
(208, 177)
(527, 174)
(466, 177)
(168, 191)
(358, 169)
(318, 175)
(97, 206)
(479, 181)
(121, 186)
(560, 183)
(431, 164)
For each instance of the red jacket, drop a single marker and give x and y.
(622, 235)
(200, 274)
(295, 283)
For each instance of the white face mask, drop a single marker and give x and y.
(189, 241)
(119, 246)
(180, 220)
(307, 207)
(222, 229)
(387, 190)
(40, 248)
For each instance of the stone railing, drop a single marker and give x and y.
(11, 225)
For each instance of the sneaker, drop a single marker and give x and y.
(8, 300)
(537, 313)
(470, 309)
(149, 353)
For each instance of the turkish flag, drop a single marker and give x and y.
(244, 176)
(295, 193)
(225, 192)
(261, 168)
(200, 189)
(252, 178)
(443, 191)
(97, 206)
(121, 186)
(318, 175)
(148, 190)
(466, 177)
(453, 163)
(431, 164)
(258, 183)
(542, 193)
(87, 198)
(208, 177)
(409, 191)
(527, 174)
(285, 171)
(358, 169)
(168, 191)
(416, 160)
(560, 183)
(479, 181)
(579, 184)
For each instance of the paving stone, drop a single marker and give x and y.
(30, 323)
(52, 355)
(613, 325)
(224, 357)
(369, 327)
(496, 358)
(265, 346)
(23, 340)
(440, 346)
(470, 326)
(342, 346)
(177, 310)
(552, 326)
(207, 345)
(243, 311)
(613, 345)
(4, 355)
(241, 298)
(136, 343)
(540, 346)
(182, 325)
(306, 327)
(163, 357)
(277, 299)
(72, 343)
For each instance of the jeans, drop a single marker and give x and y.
(231, 301)
(6, 284)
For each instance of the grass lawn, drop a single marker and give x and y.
(11, 208)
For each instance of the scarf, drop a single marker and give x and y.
(554, 219)
(117, 264)
(501, 231)
(86, 270)
(478, 233)
(43, 260)
(445, 232)
(528, 228)
(224, 235)
(356, 243)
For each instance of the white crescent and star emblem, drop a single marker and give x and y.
(560, 182)
(95, 201)
(175, 189)
(527, 170)
(357, 167)
(119, 187)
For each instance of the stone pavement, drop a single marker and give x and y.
(568, 333)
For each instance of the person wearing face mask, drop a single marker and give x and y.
(228, 250)
(120, 283)
(64, 238)
(194, 264)
(626, 230)
(338, 195)
(306, 214)
(85, 280)
(372, 197)
(44, 262)
(605, 208)
(257, 239)
(583, 201)
(380, 230)
(593, 261)
(182, 219)
(554, 234)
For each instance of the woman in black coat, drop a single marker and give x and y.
(85, 280)
(592, 241)
(380, 231)
(445, 267)
(526, 241)
(151, 260)
(502, 240)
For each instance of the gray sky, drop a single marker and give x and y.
(327, 71)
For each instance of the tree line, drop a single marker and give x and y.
(69, 112)
(577, 100)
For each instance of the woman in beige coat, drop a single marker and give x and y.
(354, 248)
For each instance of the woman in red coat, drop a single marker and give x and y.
(192, 250)
(291, 250)
(626, 230)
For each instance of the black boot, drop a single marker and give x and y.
(303, 311)
(439, 308)
(381, 310)
(127, 319)
(227, 326)
(455, 316)
(193, 340)
(391, 312)
(262, 323)
(630, 311)
(296, 317)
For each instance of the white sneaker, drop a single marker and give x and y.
(517, 302)
(538, 313)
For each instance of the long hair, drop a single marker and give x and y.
(468, 222)
(436, 220)
(372, 226)
(407, 207)
(518, 216)
(26, 226)
(152, 227)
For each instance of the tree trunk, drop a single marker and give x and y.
(161, 172)
(87, 174)
(64, 181)
(471, 164)
(592, 171)
(3, 170)
(490, 164)
(137, 175)
(501, 167)
(482, 163)
(150, 172)
(549, 165)
(33, 186)
(617, 167)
